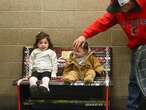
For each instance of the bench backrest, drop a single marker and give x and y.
(104, 54)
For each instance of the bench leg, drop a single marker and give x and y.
(107, 98)
(18, 98)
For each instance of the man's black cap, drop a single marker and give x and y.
(113, 7)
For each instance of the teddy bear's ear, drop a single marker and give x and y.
(95, 54)
(113, 6)
(65, 54)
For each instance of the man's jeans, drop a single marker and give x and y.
(134, 96)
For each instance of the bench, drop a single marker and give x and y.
(67, 96)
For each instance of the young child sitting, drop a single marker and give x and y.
(42, 63)
(82, 65)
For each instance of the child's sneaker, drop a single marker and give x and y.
(43, 91)
(34, 91)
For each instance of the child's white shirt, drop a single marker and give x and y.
(42, 61)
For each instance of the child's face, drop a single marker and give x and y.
(80, 52)
(43, 44)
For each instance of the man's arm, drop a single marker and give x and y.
(100, 25)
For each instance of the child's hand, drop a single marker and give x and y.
(53, 76)
(27, 77)
(103, 73)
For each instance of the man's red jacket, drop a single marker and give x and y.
(133, 23)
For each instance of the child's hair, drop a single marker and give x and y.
(40, 36)
(84, 46)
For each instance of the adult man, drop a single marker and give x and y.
(131, 16)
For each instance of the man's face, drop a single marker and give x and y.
(127, 7)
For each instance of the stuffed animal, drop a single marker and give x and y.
(82, 65)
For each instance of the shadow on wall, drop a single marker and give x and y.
(8, 102)
(120, 103)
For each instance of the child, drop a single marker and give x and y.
(82, 65)
(42, 63)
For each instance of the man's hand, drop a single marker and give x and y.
(79, 41)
